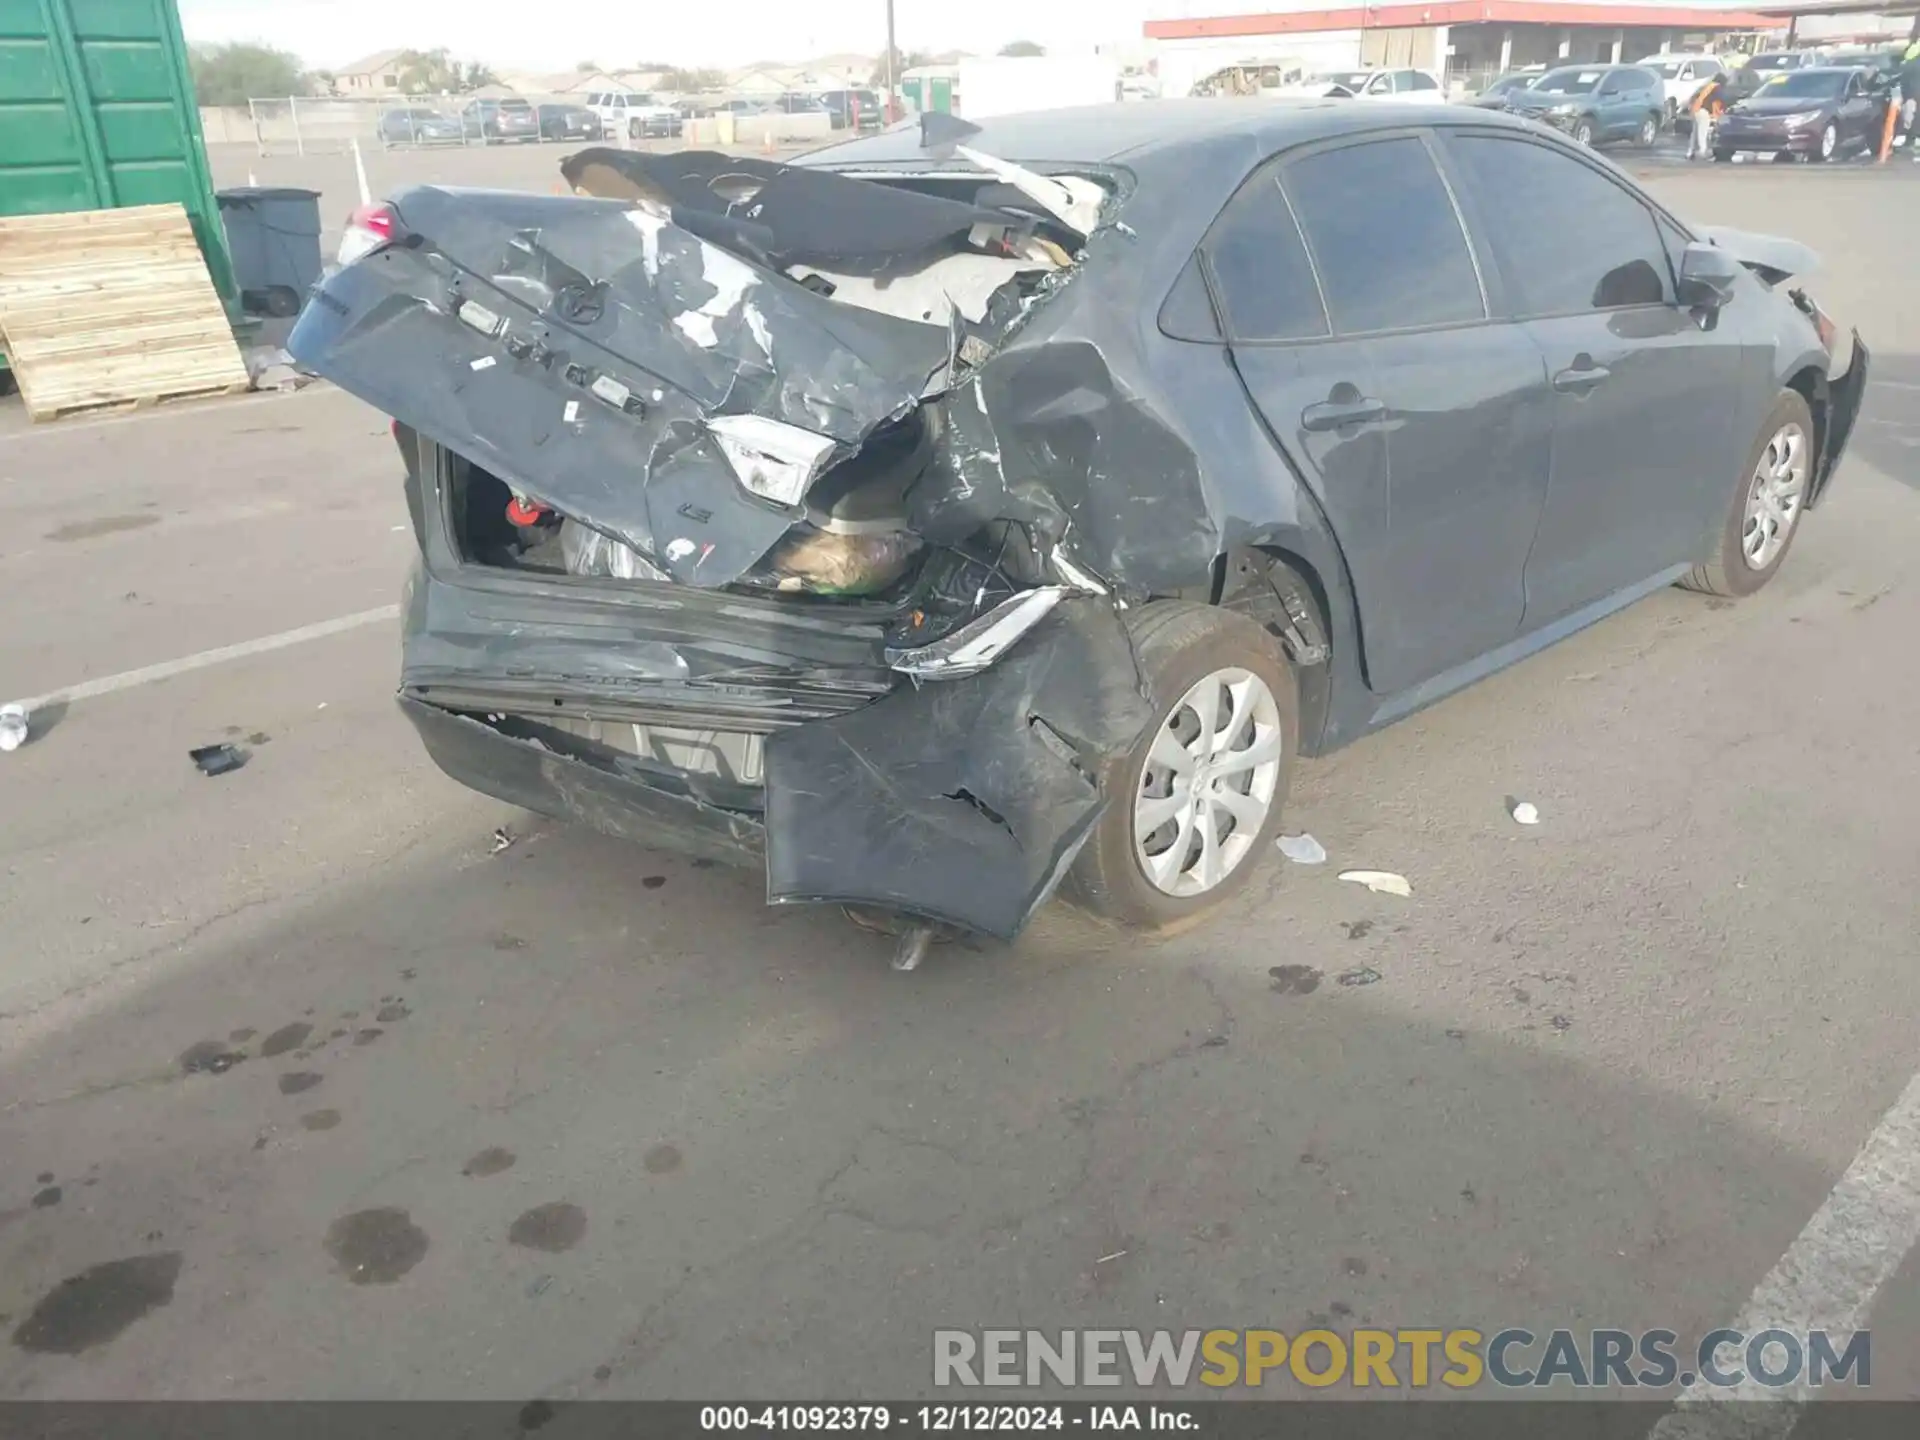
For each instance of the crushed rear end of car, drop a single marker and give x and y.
(746, 527)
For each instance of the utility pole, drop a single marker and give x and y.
(893, 80)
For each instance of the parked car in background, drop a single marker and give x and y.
(800, 102)
(416, 126)
(1493, 97)
(740, 106)
(1406, 86)
(854, 109)
(1596, 104)
(499, 122)
(1882, 62)
(1756, 70)
(812, 588)
(1681, 76)
(1821, 112)
(569, 122)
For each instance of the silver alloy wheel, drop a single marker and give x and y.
(1583, 133)
(1649, 132)
(1774, 498)
(1829, 138)
(1208, 783)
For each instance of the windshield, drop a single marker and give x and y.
(1507, 83)
(1666, 69)
(1348, 79)
(1811, 84)
(1568, 82)
(1770, 62)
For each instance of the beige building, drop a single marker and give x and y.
(376, 75)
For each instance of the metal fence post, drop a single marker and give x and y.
(293, 106)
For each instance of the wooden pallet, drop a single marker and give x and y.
(111, 309)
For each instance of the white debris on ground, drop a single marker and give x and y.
(1524, 813)
(1381, 882)
(271, 368)
(1302, 849)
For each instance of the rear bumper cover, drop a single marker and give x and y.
(963, 801)
(1844, 397)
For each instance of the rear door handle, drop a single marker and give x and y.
(1580, 379)
(1339, 414)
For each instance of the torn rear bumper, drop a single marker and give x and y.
(963, 801)
(1844, 397)
(524, 773)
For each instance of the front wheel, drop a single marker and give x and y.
(1193, 806)
(1766, 509)
(1583, 133)
(1829, 141)
(1649, 132)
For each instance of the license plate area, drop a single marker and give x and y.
(733, 756)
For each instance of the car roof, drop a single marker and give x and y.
(1101, 134)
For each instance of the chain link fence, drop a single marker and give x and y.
(301, 125)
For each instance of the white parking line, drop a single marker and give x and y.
(1827, 1280)
(167, 669)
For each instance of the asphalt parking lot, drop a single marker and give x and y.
(305, 1091)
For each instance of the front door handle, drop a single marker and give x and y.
(1339, 414)
(1579, 379)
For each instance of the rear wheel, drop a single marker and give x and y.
(1766, 509)
(1196, 801)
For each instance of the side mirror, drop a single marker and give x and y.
(1708, 275)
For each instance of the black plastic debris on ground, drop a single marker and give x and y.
(218, 759)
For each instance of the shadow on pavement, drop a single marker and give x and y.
(537, 1124)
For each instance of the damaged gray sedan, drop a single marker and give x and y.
(962, 511)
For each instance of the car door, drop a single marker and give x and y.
(1356, 318)
(1859, 114)
(1610, 107)
(1645, 442)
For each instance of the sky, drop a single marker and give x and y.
(520, 35)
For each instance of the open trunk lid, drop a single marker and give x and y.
(581, 349)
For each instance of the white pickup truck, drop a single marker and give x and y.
(633, 113)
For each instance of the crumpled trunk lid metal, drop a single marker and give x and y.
(620, 335)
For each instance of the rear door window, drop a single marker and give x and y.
(1420, 80)
(1385, 237)
(1566, 237)
(1260, 268)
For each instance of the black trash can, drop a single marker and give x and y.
(273, 234)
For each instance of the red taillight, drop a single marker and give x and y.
(377, 219)
(369, 228)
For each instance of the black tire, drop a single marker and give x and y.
(1178, 643)
(1725, 571)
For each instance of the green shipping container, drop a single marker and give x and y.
(97, 111)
